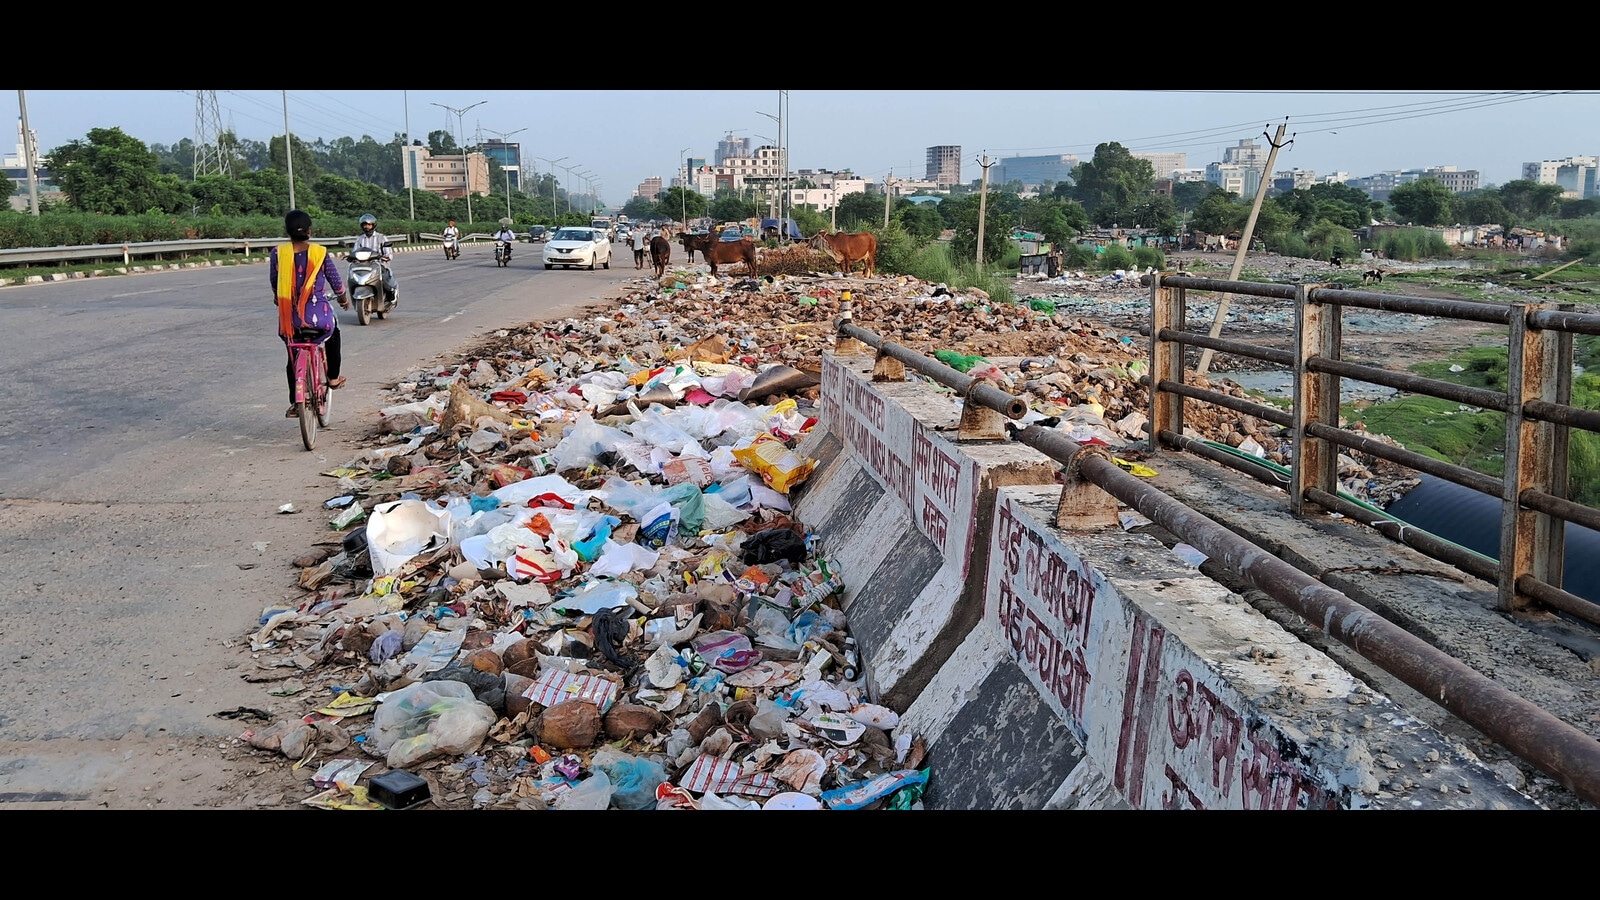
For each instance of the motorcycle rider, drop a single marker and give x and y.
(506, 236)
(452, 233)
(371, 238)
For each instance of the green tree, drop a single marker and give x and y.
(349, 198)
(1220, 213)
(920, 222)
(861, 210)
(442, 143)
(809, 220)
(1329, 193)
(1156, 212)
(1424, 202)
(677, 202)
(640, 209)
(1485, 208)
(1113, 181)
(113, 173)
(727, 206)
(1186, 195)
(175, 160)
(1529, 199)
(1579, 209)
(996, 229)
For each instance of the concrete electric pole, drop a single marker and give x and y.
(1244, 240)
(983, 206)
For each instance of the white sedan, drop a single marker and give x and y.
(575, 246)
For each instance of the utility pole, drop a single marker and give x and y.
(888, 185)
(983, 206)
(405, 155)
(288, 149)
(1244, 240)
(29, 159)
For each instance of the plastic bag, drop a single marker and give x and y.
(427, 719)
(591, 793)
(583, 443)
(625, 496)
(780, 467)
(634, 779)
(772, 545)
(689, 502)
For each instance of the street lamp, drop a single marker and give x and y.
(683, 198)
(569, 170)
(503, 136)
(460, 137)
(588, 187)
(553, 168)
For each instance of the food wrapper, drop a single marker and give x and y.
(780, 468)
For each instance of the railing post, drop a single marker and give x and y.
(1166, 360)
(887, 368)
(1318, 332)
(1527, 536)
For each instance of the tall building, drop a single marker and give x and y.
(944, 165)
(650, 188)
(20, 160)
(509, 155)
(1449, 176)
(1575, 174)
(1245, 153)
(732, 147)
(1033, 171)
(1164, 164)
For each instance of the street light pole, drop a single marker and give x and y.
(683, 198)
(288, 149)
(503, 140)
(983, 207)
(28, 154)
(405, 154)
(553, 168)
(466, 164)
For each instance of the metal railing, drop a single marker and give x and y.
(1537, 736)
(22, 256)
(1537, 407)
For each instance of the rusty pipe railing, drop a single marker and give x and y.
(1537, 736)
(1560, 750)
(979, 391)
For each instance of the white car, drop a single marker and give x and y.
(577, 246)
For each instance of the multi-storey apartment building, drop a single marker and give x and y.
(1034, 171)
(509, 155)
(944, 165)
(650, 188)
(448, 176)
(1164, 164)
(1575, 174)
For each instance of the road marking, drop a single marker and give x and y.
(458, 312)
(137, 293)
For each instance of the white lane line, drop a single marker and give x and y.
(458, 312)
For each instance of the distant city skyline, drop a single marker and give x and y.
(619, 140)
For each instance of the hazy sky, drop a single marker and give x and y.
(623, 137)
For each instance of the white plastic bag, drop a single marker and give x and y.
(427, 719)
(402, 529)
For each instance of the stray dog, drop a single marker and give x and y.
(1371, 275)
(1336, 261)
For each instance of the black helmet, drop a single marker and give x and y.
(368, 221)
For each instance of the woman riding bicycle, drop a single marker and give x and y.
(302, 300)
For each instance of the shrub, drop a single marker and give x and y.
(1114, 257)
(1150, 258)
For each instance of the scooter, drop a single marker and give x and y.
(502, 253)
(365, 284)
(452, 248)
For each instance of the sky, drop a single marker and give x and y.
(620, 138)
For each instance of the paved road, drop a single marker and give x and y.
(145, 458)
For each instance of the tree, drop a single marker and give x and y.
(1186, 195)
(1579, 209)
(1328, 193)
(996, 228)
(730, 207)
(1529, 199)
(640, 209)
(920, 221)
(1220, 213)
(115, 174)
(677, 202)
(1156, 212)
(1113, 180)
(860, 210)
(1486, 209)
(442, 143)
(1424, 202)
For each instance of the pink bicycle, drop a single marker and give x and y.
(313, 399)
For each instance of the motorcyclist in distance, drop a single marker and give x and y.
(506, 236)
(371, 238)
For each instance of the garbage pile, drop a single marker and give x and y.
(567, 578)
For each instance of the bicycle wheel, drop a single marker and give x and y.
(324, 393)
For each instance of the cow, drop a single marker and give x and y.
(660, 254)
(848, 248)
(718, 252)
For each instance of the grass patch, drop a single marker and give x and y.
(1440, 429)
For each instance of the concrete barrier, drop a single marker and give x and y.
(1092, 668)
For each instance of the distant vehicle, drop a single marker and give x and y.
(538, 233)
(578, 246)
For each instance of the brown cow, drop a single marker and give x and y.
(718, 252)
(848, 248)
(660, 254)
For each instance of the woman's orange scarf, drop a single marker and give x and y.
(292, 303)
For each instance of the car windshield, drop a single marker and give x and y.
(574, 234)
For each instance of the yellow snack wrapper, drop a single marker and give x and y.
(780, 467)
